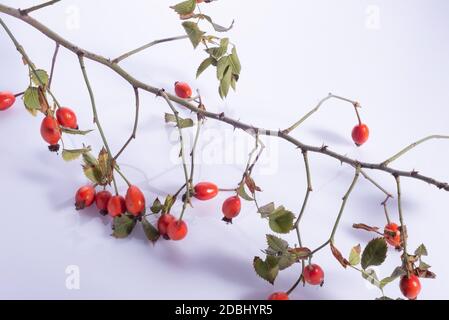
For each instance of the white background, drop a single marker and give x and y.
(293, 53)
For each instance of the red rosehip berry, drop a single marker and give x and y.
(67, 118)
(116, 206)
(7, 99)
(101, 201)
(135, 201)
(313, 274)
(177, 230)
(231, 208)
(410, 286)
(50, 130)
(163, 222)
(84, 197)
(278, 296)
(205, 191)
(392, 234)
(183, 90)
(360, 134)
(199, 1)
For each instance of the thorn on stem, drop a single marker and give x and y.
(160, 92)
(324, 147)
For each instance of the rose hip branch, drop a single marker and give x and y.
(131, 210)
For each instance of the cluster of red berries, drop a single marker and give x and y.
(313, 275)
(51, 126)
(133, 203)
(231, 206)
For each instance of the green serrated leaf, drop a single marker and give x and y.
(286, 261)
(204, 65)
(183, 123)
(89, 159)
(375, 253)
(371, 276)
(75, 131)
(222, 67)
(168, 203)
(268, 269)
(225, 83)
(421, 251)
(266, 210)
(224, 43)
(185, 7)
(123, 226)
(216, 26)
(157, 206)
(354, 255)
(31, 100)
(235, 61)
(104, 165)
(423, 265)
(39, 77)
(281, 220)
(398, 272)
(93, 173)
(243, 194)
(194, 33)
(234, 83)
(186, 123)
(150, 231)
(69, 155)
(276, 244)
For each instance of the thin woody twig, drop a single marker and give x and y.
(340, 213)
(317, 107)
(401, 220)
(37, 7)
(96, 120)
(308, 190)
(136, 122)
(146, 46)
(216, 116)
(181, 141)
(53, 64)
(367, 177)
(411, 146)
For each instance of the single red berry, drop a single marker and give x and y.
(135, 201)
(205, 191)
(7, 99)
(183, 90)
(231, 208)
(101, 201)
(392, 234)
(50, 130)
(116, 206)
(177, 230)
(313, 274)
(410, 286)
(360, 134)
(163, 222)
(84, 197)
(278, 296)
(199, 1)
(67, 118)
